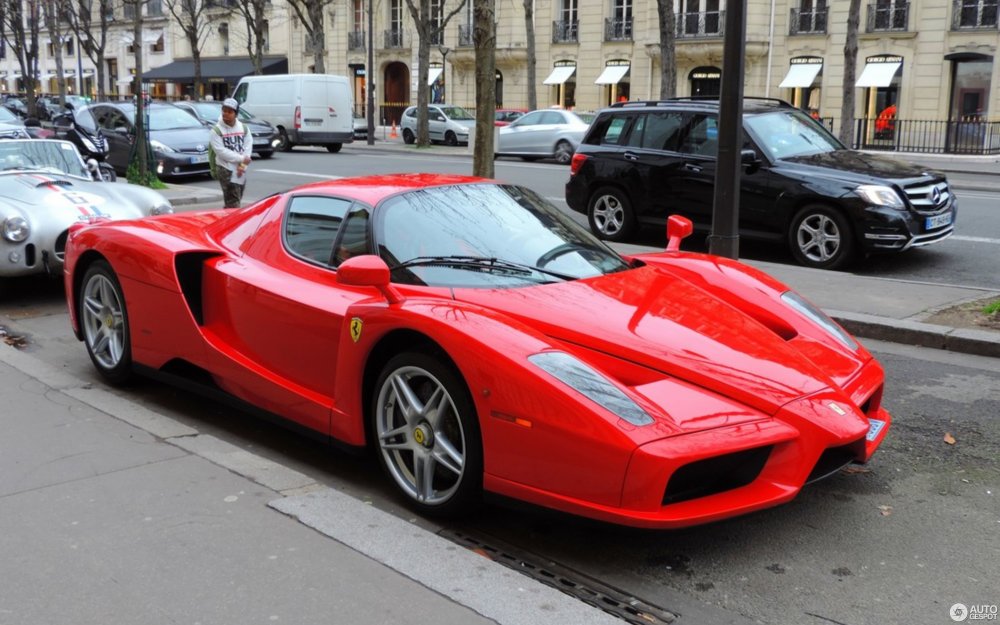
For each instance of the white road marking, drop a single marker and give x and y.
(958, 237)
(297, 173)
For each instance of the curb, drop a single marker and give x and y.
(961, 340)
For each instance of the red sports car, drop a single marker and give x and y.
(477, 339)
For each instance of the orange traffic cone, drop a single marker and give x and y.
(393, 134)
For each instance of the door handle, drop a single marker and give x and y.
(693, 168)
(630, 156)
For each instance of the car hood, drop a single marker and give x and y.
(858, 166)
(43, 197)
(665, 323)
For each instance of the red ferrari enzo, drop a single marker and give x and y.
(477, 339)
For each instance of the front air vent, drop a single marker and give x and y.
(836, 458)
(716, 475)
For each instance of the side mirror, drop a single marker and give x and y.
(749, 159)
(367, 270)
(678, 228)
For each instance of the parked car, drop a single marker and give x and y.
(446, 124)
(474, 337)
(179, 141)
(640, 162)
(208, 112)
(12, 126)
(549, 133)
(503, 117)
(16, 106)
(45, 187)
(360, 126)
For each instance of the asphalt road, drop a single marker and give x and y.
(898, 542)
(959, 261)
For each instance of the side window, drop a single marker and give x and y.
(241, 93)
(353, 239)
(311, 226)
(411, 112)
(530, 119)
(612, 134)
(551, 117)
(662, 130)
(700, 136)
(635, 136)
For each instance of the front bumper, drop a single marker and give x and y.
(181, 163)
(891, 230)
(36, 255)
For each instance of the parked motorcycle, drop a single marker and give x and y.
(79, 127)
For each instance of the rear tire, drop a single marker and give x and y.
(333, 148)
(820, 237)
(564, 153)
(610, 214)
(104, 322)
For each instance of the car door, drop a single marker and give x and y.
(117, 130)
(516, 137)
(650, 150)
(436, 123)
(279, 311)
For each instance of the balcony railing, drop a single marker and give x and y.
(807, 22)
(393, 38)
(970, 135)
(888, 17)
(356, 40)
(465, 36)
(618, 29)
(704, 24)
(566, 32)
(974, 15)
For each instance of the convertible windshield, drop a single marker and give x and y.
(784, 134)
(485, 235)
(42, 155)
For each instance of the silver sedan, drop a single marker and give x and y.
(45, 187)
(548, 133)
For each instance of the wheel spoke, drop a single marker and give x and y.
(447, 455)
(434, 408)
(423, 469)
(411, 405)
(102, 342)
(92, 306)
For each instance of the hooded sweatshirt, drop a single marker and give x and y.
(232, 146)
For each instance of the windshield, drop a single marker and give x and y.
(166, 118)
(457, 113)
(784, 134)
(7, 117)
(85, 119)
(486, 235)
(42, 155)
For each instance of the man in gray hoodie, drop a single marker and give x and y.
(233, 145)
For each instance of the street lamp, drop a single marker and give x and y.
(444, 50)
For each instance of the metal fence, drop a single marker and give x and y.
(968, 136)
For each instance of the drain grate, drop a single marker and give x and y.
(591, 591)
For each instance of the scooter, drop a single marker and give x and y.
(79, 127)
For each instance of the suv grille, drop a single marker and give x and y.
(929, 197)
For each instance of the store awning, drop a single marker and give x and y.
(228, 70)
(560, 75)
(877, 75)
(612, 75)
(45, 76)
(801, 75)
(433, 73)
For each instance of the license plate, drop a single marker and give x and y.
(937, 221)
(874, 427)
(203, 158)
(261, 142)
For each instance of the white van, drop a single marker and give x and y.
(306, 109)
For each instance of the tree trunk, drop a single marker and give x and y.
(529, 29)
(141, 148)
(668, 65)
(850, 70)
(484, 37)
(319, 37)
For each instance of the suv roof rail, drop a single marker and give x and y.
(696, 98)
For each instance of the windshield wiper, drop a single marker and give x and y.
(478, 263)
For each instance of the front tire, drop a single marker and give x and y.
(450, 138)
(426, 433)
(104, 321)
(107, 173)
(286, 144)
(408, 137)
(610, 214)
(820, 237)
(266, 155)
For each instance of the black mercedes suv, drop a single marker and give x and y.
(640, 162)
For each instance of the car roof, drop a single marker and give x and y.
(373, 189)
(750, 104)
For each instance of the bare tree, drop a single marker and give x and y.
(55, 12)
(141, 160)
(195, 24)
(19, 24)
(529, 31)
(850, 70)
(254, 14)
(484, 36)
(310, 13)
(92, 34)
(668, 32)
(430, 23)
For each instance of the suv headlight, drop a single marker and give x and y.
(880, 195)
(160, 147)
(16, 229)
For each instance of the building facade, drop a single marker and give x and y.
(920, 60)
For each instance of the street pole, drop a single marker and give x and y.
(369, 83)
(724, 239)
(79, 69)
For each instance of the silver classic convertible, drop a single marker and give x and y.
(45, 187)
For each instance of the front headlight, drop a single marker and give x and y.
(463, 129)
(880, 195)
(160, 147)
(817, 316)
(16, 229)
(581, 377)
(161, 209)
(87, 143)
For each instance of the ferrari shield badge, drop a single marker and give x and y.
(356, 329)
